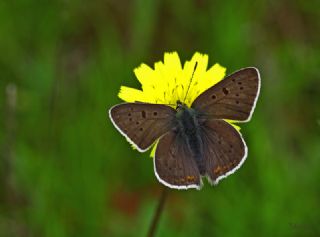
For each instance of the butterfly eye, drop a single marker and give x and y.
(155, 113)
(213, 97)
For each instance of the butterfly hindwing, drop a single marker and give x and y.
(173, 163)
(224, 149)
(142, 124)
(232, 98)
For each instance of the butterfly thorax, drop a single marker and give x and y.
(189, 130)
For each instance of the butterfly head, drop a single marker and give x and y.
(181, 106)
(183, 111)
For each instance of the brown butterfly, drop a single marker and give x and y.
(194, 141)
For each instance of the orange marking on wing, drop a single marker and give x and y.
(190, 178)
(217, 170)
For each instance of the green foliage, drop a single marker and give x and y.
(65, 170)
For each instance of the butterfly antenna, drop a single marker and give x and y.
(195, 67)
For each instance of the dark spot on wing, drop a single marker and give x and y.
(225, 91)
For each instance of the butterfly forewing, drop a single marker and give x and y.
(174, 164)
(142, 124)
(232, 98)
(224, 149)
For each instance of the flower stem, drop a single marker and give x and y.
(157, 214)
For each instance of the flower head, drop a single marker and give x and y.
(169, 82)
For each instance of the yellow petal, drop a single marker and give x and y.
(130, 95)
(192, 77)
(231, 122)
(145, 75)
(215, 74)
(172, 61)
(153, 151)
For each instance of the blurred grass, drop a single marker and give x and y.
(65, 171)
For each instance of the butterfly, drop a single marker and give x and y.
(196, 141)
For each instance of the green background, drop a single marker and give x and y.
(66, 171)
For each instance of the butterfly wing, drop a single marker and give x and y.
(174, 165)
(232, 98)
(224, 149)
(142, 124)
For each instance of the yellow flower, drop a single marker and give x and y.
(168, 82)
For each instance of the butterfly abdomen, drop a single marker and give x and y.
(195, 144)
(190, 131)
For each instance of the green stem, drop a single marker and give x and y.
(157, 214)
